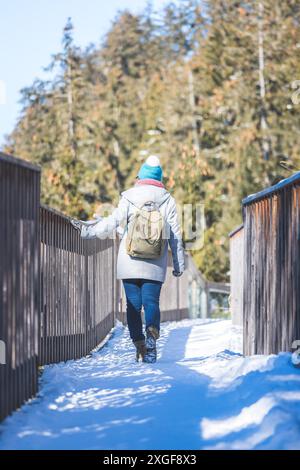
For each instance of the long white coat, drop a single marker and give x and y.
(135, 268)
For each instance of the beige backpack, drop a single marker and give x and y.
(145, 232)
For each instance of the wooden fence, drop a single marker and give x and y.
(77, 299)
(237, 274)
(271, 300)
(206, 298)
(174, 302)
(19, 281)
(58, 293)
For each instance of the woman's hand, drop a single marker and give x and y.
(85, 228)
(176, 273)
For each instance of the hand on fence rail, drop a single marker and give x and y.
(84, 227)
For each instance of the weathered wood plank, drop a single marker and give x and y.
(19, 281)
(271, 303)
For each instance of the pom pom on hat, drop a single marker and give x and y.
(153, 160)
(151, 169)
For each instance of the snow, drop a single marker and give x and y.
(201, 394)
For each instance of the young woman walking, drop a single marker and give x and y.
(149, 214)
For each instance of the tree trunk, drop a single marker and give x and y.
(193, 113)
(71, 123)
(266, 147)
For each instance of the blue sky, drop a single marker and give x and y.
(30, 32)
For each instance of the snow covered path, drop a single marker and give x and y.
(202, 394)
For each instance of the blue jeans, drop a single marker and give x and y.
(142, 292)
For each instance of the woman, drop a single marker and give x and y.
(143, 274)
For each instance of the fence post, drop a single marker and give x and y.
(19, 281)
(271, 301)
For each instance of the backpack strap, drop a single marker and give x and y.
(140, 207)
(127, 217)
(169, 195)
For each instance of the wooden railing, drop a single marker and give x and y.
(19, 282)
(78, 290)
(271, 297)
(58, 294)
(237, 274)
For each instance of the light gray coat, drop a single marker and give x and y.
(131, 268)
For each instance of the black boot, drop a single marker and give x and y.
(151, 354)
(140, 349)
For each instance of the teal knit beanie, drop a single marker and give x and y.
(151, 169)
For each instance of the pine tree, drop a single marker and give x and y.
(210, 87)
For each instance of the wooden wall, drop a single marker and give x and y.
(272, 268)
